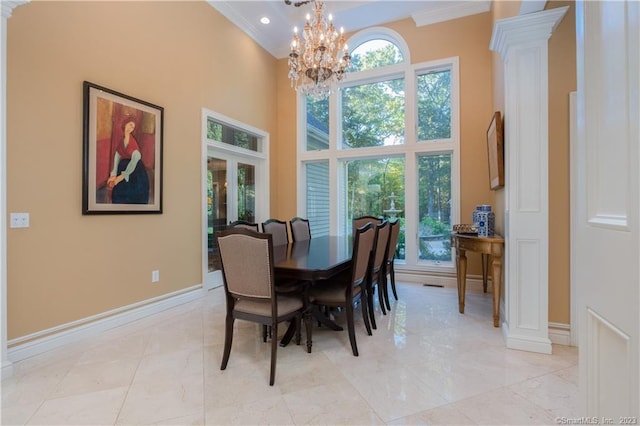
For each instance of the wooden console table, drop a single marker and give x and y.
(489, 247)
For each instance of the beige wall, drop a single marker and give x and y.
(562, 81)
(182, 56)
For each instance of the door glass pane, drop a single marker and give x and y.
(216, 206)
(434, 105)
(318, 197)
(375, 187)
(373, 114)
(246, 192)
(434, 209)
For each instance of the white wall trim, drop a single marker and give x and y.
(560, 334)
(46, 340)
(455, 10)
(7, 6)
(6, 9)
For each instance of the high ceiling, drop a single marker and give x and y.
(275, 37)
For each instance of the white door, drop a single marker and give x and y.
(607, 234)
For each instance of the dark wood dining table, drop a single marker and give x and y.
(311, 262)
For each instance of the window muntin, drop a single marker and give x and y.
(373, 114)
(373, 54)
(433, 95)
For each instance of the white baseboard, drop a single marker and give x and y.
(46, 340)
(473, 283)
(7, 369)
(560, 334)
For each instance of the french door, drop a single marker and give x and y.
(235, 182)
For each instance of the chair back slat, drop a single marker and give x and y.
(247, 265)
(278, 229)
(381, 245)
(358, 222)
(300, 229)
(363, 242)
(393, 240)
(244, 224)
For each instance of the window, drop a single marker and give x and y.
(373, 114)
(221, 132)
(387, 144)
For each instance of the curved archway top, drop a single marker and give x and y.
(380, 33)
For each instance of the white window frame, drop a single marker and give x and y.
(410, 150)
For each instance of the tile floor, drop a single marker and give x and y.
(426, 364)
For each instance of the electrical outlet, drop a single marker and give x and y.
(19, 220)
(155, 276)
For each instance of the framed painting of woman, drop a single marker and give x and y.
(122, 153)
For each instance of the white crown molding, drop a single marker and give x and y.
(455, 11)
(532, 6)
(525, 28)
(7, 6)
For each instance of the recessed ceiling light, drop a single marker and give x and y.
(265, 20)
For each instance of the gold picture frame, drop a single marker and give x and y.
(495, 149)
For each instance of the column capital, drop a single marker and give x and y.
(7, 6)
(532, 27)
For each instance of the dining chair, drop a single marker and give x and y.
(347, 289)
(300, 229)
(389, 268)
(244, 224)
(358, 222)
(278, 229)
(376, 277)
(247, 271)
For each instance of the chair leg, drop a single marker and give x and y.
(351, 328)
(308, 322)
(274, 351)
(298, 321)
(392, 274)
(228, 339)
(381, 298)
(385, 289)
(365, 311)
(264, 332)
(369, 301)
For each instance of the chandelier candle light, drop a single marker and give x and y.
(320, 59)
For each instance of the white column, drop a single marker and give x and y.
(522, 41)
(6, 7)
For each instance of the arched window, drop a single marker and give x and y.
(386, 144)
(373, 54)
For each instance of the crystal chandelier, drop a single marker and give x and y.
(320, 57)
